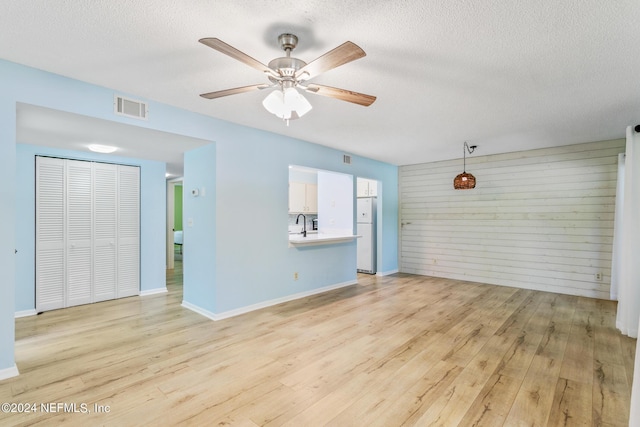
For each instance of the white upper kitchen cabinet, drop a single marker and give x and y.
(303, 197)
(367, 188)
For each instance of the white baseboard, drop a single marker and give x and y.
(386, 273)
(154, 291)
(199, 310)
(9, 372)
(630, 332)
(264, 304)
(26, 313)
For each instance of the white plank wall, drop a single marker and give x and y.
(539, 219)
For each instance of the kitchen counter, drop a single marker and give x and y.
(319, 239)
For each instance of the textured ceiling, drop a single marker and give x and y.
(505, 75)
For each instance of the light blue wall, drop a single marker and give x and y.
(388, 224)
(152, 218)
(254, 261)
(248, 207)
(199, 220)
(7, 225)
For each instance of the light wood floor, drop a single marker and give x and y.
(393, 351)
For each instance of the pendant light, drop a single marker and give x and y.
(465, 181)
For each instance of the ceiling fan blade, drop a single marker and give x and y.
(342, 94)
(235, 90)
(231, 51)
(341, 55)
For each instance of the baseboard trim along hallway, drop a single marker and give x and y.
(264, 304)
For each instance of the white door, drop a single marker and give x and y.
(79, 232)
(105, 199)
(128, 231)
(50, 233)
(87, 232)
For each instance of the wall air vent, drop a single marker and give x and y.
(346, 159)
(130, 107)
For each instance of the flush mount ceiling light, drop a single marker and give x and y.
(465, 181)
(288, 75)
(105, 149)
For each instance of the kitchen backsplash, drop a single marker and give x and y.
(297, 228)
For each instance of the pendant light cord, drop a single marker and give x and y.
(466, 148)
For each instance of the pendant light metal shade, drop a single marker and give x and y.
(465, 181)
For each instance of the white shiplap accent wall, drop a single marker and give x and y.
(539, 219)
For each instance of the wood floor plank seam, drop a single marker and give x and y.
(399, 350)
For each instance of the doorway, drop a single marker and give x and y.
(175, 241)
(369, 225)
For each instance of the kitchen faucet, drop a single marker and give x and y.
(304, 224)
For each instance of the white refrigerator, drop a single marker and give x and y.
(367, 229)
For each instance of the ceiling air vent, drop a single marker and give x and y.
(130, 107)
(346, 159)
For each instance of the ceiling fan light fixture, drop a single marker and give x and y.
(274, 103)
(288, 73)
(296, 102)
(283, 104)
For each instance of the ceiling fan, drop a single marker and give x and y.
(287, 74)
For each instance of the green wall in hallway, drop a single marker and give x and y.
(177, 222)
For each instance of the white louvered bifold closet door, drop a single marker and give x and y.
(105, 202)
(79, 232)
(50, 232)
(87, 232)
(128, 231)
